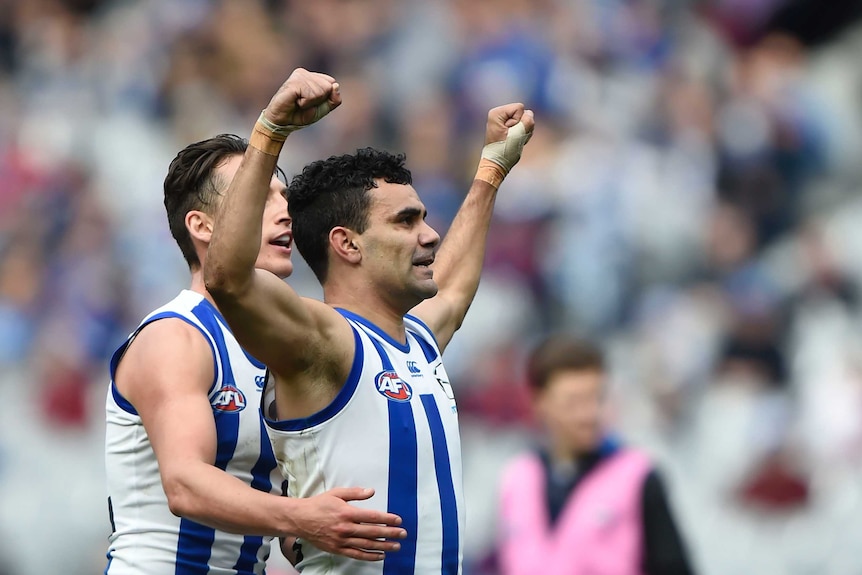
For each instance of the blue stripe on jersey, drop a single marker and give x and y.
(110, 560)
(405, 347)
(194, 545)
(260, 480)
(445, 485)
(403, 485)
(336, 405)
(253, 360)
(227, 423)
(403, 478)
(248, 554)
(121, 401)
(430, 352)
(422, 324)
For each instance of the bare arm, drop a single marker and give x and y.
(267, 316)
(166, 374)
(458, 264)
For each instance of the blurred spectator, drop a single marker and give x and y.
(583, 503)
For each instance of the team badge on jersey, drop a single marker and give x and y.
(229, 399)
(392, 387)
(414, 369)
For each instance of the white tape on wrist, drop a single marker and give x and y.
(506, 153)
(284, 130)
(277, 129)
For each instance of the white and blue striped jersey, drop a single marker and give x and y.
(393, 427)
(147, 538)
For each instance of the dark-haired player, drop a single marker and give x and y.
(360, 394)
(192, 480)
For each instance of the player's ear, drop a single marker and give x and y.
(345, 245)
(199, 225)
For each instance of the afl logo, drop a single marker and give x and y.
(229, 399)
(393, 387)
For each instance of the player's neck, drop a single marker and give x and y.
(379, 312)
(197, 285)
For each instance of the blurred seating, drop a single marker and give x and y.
(691, 198)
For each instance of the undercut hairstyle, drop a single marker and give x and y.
(193, 184)
(560, 353)
(334, 192)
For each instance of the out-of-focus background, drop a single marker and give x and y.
(691, 199)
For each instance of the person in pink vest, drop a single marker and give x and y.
(582, 504)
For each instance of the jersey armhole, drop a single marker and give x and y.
(423, 327)
(345, 394)
(124, 403)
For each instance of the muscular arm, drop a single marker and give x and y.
(166, 375)
(458, 263)
(267, 316)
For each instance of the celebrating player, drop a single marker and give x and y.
(193, 482)
(360, 394)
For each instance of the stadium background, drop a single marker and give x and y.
(691, 199)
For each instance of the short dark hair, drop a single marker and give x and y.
(562, 353)
(334, 192)
(192, 184)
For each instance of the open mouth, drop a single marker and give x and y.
(282, 241)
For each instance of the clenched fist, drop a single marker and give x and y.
(304, 98)
(508, 129)
(501, 118)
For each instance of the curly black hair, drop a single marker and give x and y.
(334, 192)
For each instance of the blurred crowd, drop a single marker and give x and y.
(690, 200)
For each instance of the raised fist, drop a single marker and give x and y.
(508, 129)
(304, 98)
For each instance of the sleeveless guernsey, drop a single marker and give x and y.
(393, 427)
(146, 537)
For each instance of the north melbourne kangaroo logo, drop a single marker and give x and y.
(392, 387)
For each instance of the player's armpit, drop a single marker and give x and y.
(443, 315)
(287, 332)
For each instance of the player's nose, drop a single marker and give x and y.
(429, 236)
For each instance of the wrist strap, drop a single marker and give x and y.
(276, 128)
(268, 137)
(490, 172)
